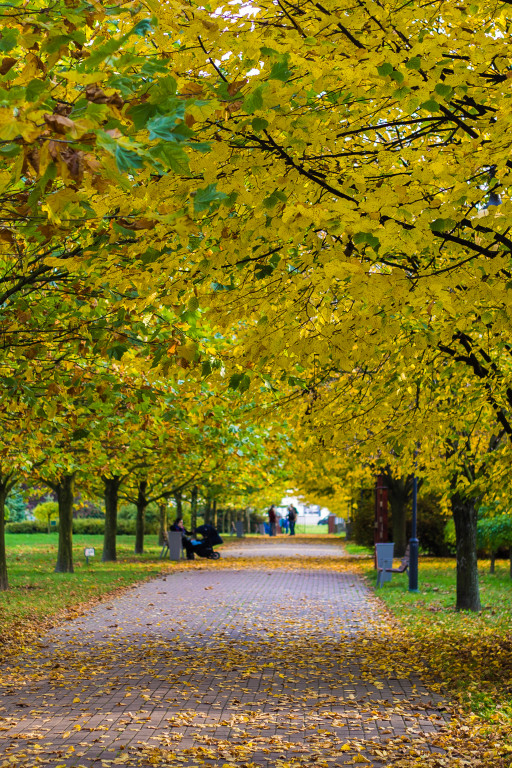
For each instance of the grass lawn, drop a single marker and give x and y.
(38, 597)
(471, 653)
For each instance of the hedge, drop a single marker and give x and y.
(88, 525)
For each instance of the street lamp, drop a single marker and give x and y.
(413, 541)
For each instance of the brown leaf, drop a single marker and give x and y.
(6, 234)
(115, 101)
(191, 89)
(236, 86)
(73, 160)
(58, 123)
(95, 94)
(137, 223)
(234, 106)
(33, 158)
(62, 109)
(7, 63)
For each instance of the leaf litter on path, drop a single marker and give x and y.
(247, 664)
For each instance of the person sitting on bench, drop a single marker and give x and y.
(187, 544)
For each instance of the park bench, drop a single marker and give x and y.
(404, 565)
(173, 545)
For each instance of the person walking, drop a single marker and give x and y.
(272, 520)
(292, 518)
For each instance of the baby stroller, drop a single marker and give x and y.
(204, 547)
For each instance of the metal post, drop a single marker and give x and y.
(413, 541)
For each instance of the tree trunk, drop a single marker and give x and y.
(465, 515)
(162, 523)
(65, 490)
(208, 511)
(111, 496)
(179, 504)
(4, 581)
(399, 494)
(141, 513)
(510, 555)
(215, 519)
(493, 563)
(193, 508)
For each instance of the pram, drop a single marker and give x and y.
(204, 547)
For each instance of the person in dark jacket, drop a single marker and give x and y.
(187, 544)
(272, 520)
(292, 518)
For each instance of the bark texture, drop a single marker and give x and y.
(65, 490)
(193, 508)
(142, 503)
(179, 504)
(465, 513)
(4, 580)
(162, 523)
(111, 495)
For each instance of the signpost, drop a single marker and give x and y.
(89, 552)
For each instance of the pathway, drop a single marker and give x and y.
(223, 665)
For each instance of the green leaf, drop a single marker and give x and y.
(385, 69)
(444, 90)
(34, 89)
(397, 76)
(204, 197)
(141, 113)
(154, 66)
(441, 225)
(431, 105)
(275, 198)
(414, 63)
(164, 127)
(253, 101)
(171, 156)
(57, 42)
(8, 39)
(259, 124)
(10, 150)
(235, 381)
(280, 70)
(366, 238)
(143, 27)
(127, 160)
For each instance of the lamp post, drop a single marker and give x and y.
(413, 541)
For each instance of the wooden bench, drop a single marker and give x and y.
(404, 565)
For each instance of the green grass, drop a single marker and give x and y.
(38, 597)
(356, 549)
(470, 652)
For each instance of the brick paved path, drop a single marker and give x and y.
(215, 666)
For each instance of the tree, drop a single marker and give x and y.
(46, 511)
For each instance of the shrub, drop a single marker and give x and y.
(363, 519)
(431, 526)
(128, 513)
(495, 532)
(27, 526)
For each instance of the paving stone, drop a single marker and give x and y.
(195, 662)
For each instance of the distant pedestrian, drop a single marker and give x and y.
(272, 520)
(292, 518)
